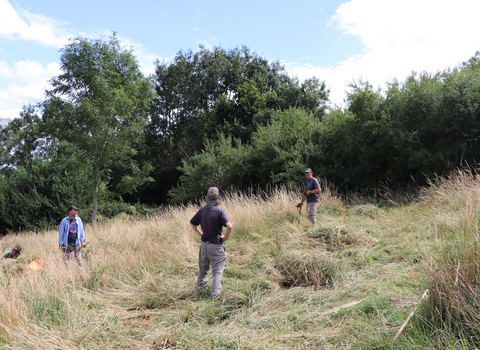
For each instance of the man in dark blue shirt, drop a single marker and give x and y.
(212, 219)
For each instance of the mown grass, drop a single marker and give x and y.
(350, 282)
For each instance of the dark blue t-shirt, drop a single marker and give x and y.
(72, 231)
(212, 220)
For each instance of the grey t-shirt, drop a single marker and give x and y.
(311, 185)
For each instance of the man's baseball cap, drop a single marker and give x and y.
(308, 170)
(72, 207)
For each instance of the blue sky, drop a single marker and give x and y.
(336, 41)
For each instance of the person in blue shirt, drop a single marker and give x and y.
(312, 189)
(212, 219)
(71, 235)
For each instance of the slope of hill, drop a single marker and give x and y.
(348, 283)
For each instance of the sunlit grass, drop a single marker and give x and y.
(348, 282)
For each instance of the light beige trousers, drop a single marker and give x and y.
(312, 212)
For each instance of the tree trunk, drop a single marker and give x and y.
(94, 214)
(95, 195)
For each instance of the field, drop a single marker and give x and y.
(350, 282)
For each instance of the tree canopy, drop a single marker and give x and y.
(423, 127)
(99, 104)
(231, 92)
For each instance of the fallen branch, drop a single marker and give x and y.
(424, 295)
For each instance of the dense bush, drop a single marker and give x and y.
(427, 125)
(200, 94)
(277, 155)
(37, 195)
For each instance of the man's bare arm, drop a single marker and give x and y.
(195, 228)
(227, 231)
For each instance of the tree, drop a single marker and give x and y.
(222, 163)
(99, 104)
(21, 139)
(36, 194)
(232, 92)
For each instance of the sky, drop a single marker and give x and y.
(339, 42)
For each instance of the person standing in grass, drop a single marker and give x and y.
(71, 235)
(312, 189)
(15, 253)
(212, 220)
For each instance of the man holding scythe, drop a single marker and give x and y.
(71, 235)
(312, 189)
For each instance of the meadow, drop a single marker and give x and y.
(350, 282)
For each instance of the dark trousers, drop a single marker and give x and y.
(69, 250)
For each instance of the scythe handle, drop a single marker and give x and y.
(301, 205)
(81, 246)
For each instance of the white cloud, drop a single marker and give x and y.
(9, 114)
(30, 82)
(31, 27)
(29, 70)
(400, 37)
(29, 93)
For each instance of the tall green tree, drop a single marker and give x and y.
(35, 195)
(207, 92)
(99, 104)
(21, 139)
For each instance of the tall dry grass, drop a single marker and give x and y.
(347, 283)
(454, 274)
(132, 268)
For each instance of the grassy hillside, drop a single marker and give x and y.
(348, 283)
